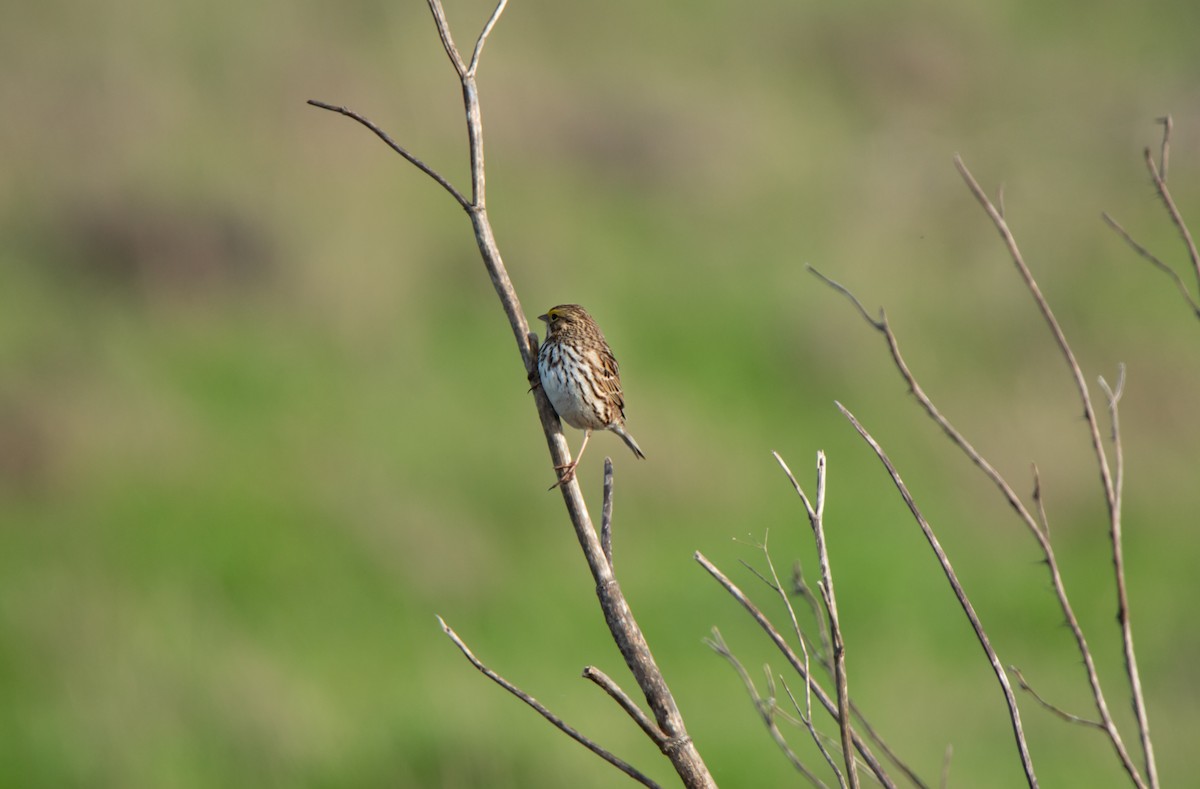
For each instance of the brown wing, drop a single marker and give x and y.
(608, 378)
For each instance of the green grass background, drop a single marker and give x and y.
(261, 417)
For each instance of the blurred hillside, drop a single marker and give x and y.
(261, 417)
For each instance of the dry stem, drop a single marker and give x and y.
(829, 598)
(621, 765)
(797, 664)
(1158, 174)
(1039, 530)
(766, 709)
(980, 634)
(675, 743)
(1111, 486)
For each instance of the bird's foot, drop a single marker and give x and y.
(567, 473)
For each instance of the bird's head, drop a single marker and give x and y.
(565, 318)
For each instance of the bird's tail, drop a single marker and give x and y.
(628, 439)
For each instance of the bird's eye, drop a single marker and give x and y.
(554, 317)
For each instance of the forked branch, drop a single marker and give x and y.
(1037, 525)
(674, 742)
(541, 709)
(1010, 699)
(798, 665)
(816, 515)
(1111, 485)
(1158, 175)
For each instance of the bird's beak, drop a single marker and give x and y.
(544, 318)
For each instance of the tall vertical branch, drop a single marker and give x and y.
(1010, 698)
(1158, 174)
(1109, 484)
(675, 743)
(1089, 412)
(798, 665)
(1041, 535)
(816, 519)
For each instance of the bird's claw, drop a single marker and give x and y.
(568, 474)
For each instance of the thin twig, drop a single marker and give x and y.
(1043, 521)
(443, 28)
(774, 587)
(1014, 501)
(764, 707)
(1010, 698)
(1060, 338)
(819, 739)
(1124, 616)
(792, 658)
(1180, 285)
(1111, 493)
(620, 764)
(800, 587)
(487, 30)
(413, 160)
(777, 586)
(1164, 192)
(866, 727)
(606, 511)
(1165, 156)
(597, 676)
(1158, 174)
(807, 646)
(880, 743)
(946, 764)
(805, 716)
(1068, 717)
(829, 597)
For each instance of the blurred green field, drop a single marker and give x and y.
(261, 417)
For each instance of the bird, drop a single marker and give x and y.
(580, 377)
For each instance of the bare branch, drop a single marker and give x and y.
(792, 658)
(1068, 717)
(946, 765)
(1165, 157)
(891, 755)
(1158, 264)
(678, 746)
(632, 710)
(1111, 492)
(443, 28)
(381, 134)
(815, 518)
(800, 587)
(487, 29)
(777, 587)
(764, 707)
(1158, 174)
(1124, 615)
(980, 634)
(879, 323)
(1010, 242)
(774, 587)
(1164, 193)
(806, 718)
(1043, 521)
(1031, 524)
(606, 510)
(621, 765)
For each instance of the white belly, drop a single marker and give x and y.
(564, 393)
